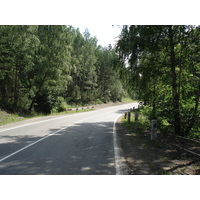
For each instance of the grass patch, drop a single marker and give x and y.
(73, 111)
(128, 100)
(7, 118)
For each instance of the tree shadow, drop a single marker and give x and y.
(81, 149)
(146, 157)
(121, 111)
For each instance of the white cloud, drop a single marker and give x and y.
(106, 34)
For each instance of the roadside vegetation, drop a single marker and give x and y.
(160, 156)
(162, 69)
(46, 69)
(7, 117)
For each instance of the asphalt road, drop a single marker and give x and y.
(76, 144)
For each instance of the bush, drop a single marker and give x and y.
(146, 111)
(59, 106)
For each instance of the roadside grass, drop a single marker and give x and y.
(73, 111)
(142, 133)
(159, 155)
(149, 151)
(128, 100)
(7, 118)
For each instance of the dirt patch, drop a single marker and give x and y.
(146, 157)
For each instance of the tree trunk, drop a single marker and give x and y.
(37, 93)
(175, 93)
(154, 100)
(16, 88)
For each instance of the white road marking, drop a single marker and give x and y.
(115, 145)
(116, 149)
(20, 126)
(18, 151)
(14, 153)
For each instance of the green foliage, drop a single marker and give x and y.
(94, 79)
(8, 118)
(46, 68)
(163, 70)
(59, 106)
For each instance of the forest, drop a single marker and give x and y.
(45, 68)
(162, 67)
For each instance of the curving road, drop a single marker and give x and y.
(82, 143)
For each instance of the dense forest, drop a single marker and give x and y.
(162, 67)
(45, 68)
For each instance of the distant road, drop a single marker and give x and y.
(82, 143)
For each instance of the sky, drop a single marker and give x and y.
(105, 34)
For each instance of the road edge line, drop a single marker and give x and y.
(44, 137)
(116, 148)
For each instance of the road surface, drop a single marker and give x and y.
(76, 144)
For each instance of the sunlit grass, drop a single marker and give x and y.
(7, 118)
(128, 100)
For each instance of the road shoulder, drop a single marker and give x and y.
(134, 165)
(145, 157)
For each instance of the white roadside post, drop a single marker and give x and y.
(153, 129)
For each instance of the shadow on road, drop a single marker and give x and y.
(121, 111)
(85, 148)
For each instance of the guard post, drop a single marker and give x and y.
(125, 115)
(136, 121)
(153, 129)
(136, 116)
(129, 116)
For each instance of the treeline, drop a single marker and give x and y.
(162, 67)
(44, 68)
